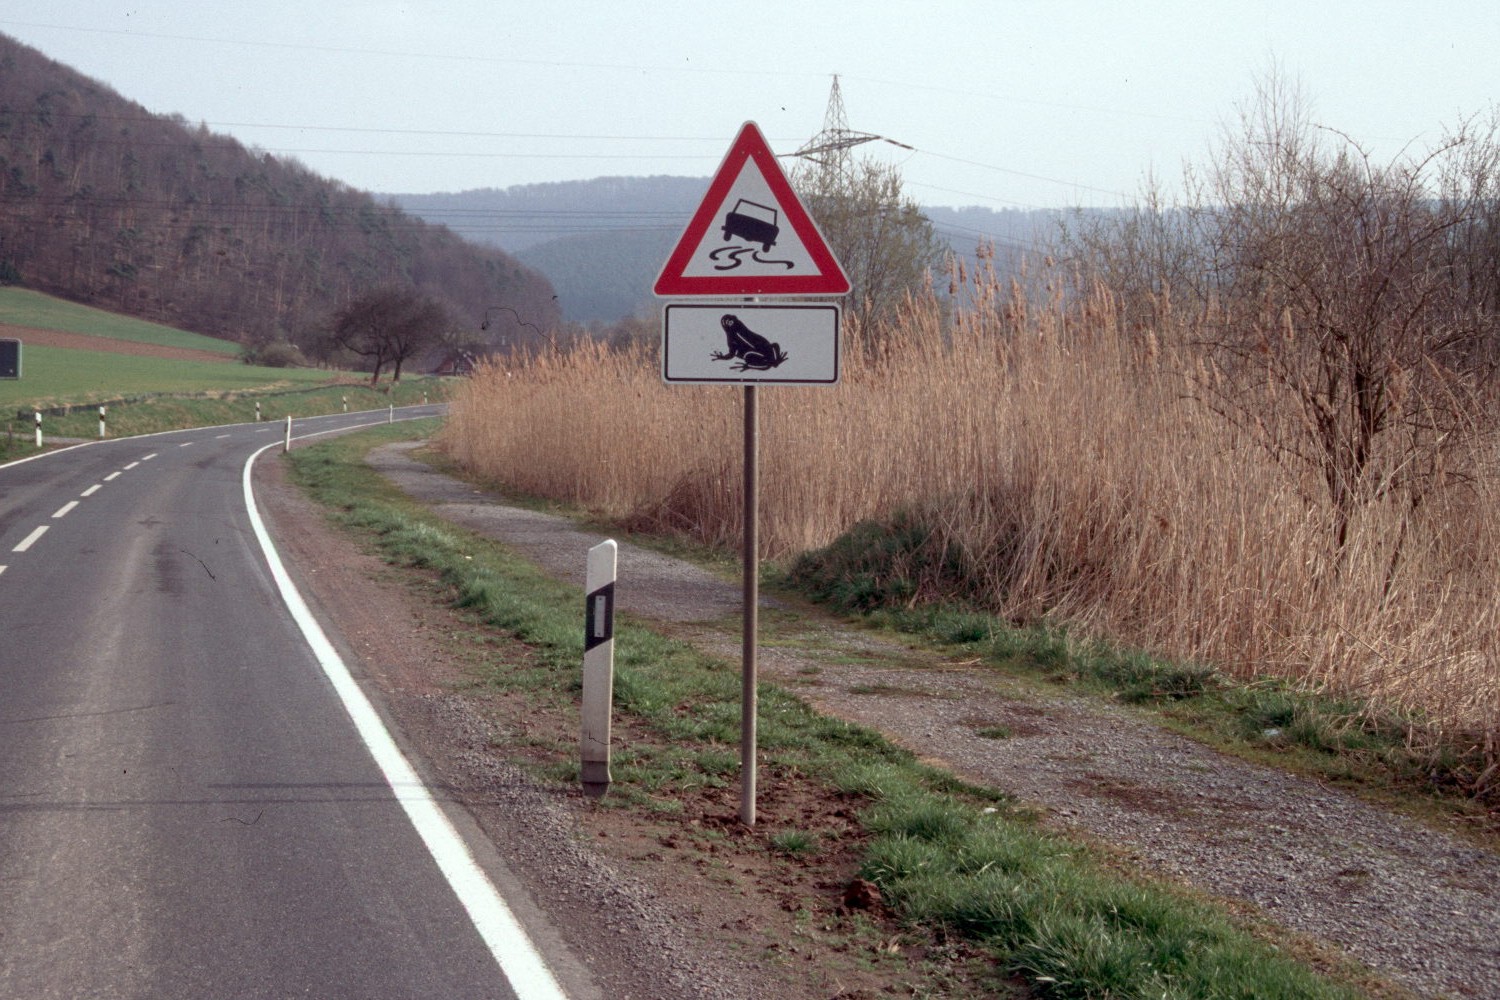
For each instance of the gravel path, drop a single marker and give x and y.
(1419, 905)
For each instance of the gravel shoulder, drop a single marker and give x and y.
(1419, 905)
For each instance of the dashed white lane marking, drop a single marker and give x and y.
(186, 444)
(519, 961)
(147, 458)
(64, 509)
(131, 466)
(30, 539)
(111, 477)
(2, 569)
(92, 490)
(220, 437)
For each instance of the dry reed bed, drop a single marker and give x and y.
(1072, 468)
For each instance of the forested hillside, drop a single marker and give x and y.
(599, 242)
(103, 202)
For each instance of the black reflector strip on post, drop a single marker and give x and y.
(600, 617)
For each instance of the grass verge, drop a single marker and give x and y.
(948, 858)
(1340, 739)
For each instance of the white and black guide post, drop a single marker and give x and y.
(750, 239)
(598, 666)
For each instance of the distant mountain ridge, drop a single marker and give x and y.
(601, 242)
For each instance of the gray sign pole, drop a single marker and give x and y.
(749, 701)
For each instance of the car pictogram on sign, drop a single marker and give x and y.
(752, 222)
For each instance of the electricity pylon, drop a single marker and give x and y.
(829, 149)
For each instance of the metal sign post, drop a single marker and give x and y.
(749, 668)
(750, 236)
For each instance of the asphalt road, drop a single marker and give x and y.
(189, 807)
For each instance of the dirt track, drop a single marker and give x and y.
(113, 345)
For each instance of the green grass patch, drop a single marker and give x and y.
(52, 376)
(1338, 739)
(23, 307)
(947, 856)
(146, 394)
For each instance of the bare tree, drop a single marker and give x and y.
(879, 234)
(1345, 303)
(1346, 310)
(388, 327)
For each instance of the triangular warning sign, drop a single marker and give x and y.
(751, 235)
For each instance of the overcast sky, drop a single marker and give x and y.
(1008, 103)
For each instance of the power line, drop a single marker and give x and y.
(389, 53)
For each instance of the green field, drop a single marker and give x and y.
(53, 376)
(22, 307)
(153, 394)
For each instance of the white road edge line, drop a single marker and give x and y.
(30, 539)
(519, 961)
(65, 509)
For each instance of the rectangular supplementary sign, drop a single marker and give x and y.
(10, 358)
(743, 343)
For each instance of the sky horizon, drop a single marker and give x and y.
(1003, 104)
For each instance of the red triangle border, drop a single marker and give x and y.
(750, 144)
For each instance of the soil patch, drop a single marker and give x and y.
(111, 345)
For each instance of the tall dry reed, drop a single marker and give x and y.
(1071, 466)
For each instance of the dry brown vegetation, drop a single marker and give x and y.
(1283, 464)
(1074, 471)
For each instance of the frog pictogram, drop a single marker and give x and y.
(754, 352)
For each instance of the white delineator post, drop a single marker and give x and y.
(598, 665)
(286, 445)
(101, 421)
(38, 428)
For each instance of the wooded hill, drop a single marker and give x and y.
(105, 203)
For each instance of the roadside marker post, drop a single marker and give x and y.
(750, 239)
(101, 421)
(257, 412)
(286, 445)
(598, 666)
(38, 428)
(10, 358)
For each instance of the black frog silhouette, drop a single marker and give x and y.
(754, 352)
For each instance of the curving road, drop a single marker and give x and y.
(192, 801)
